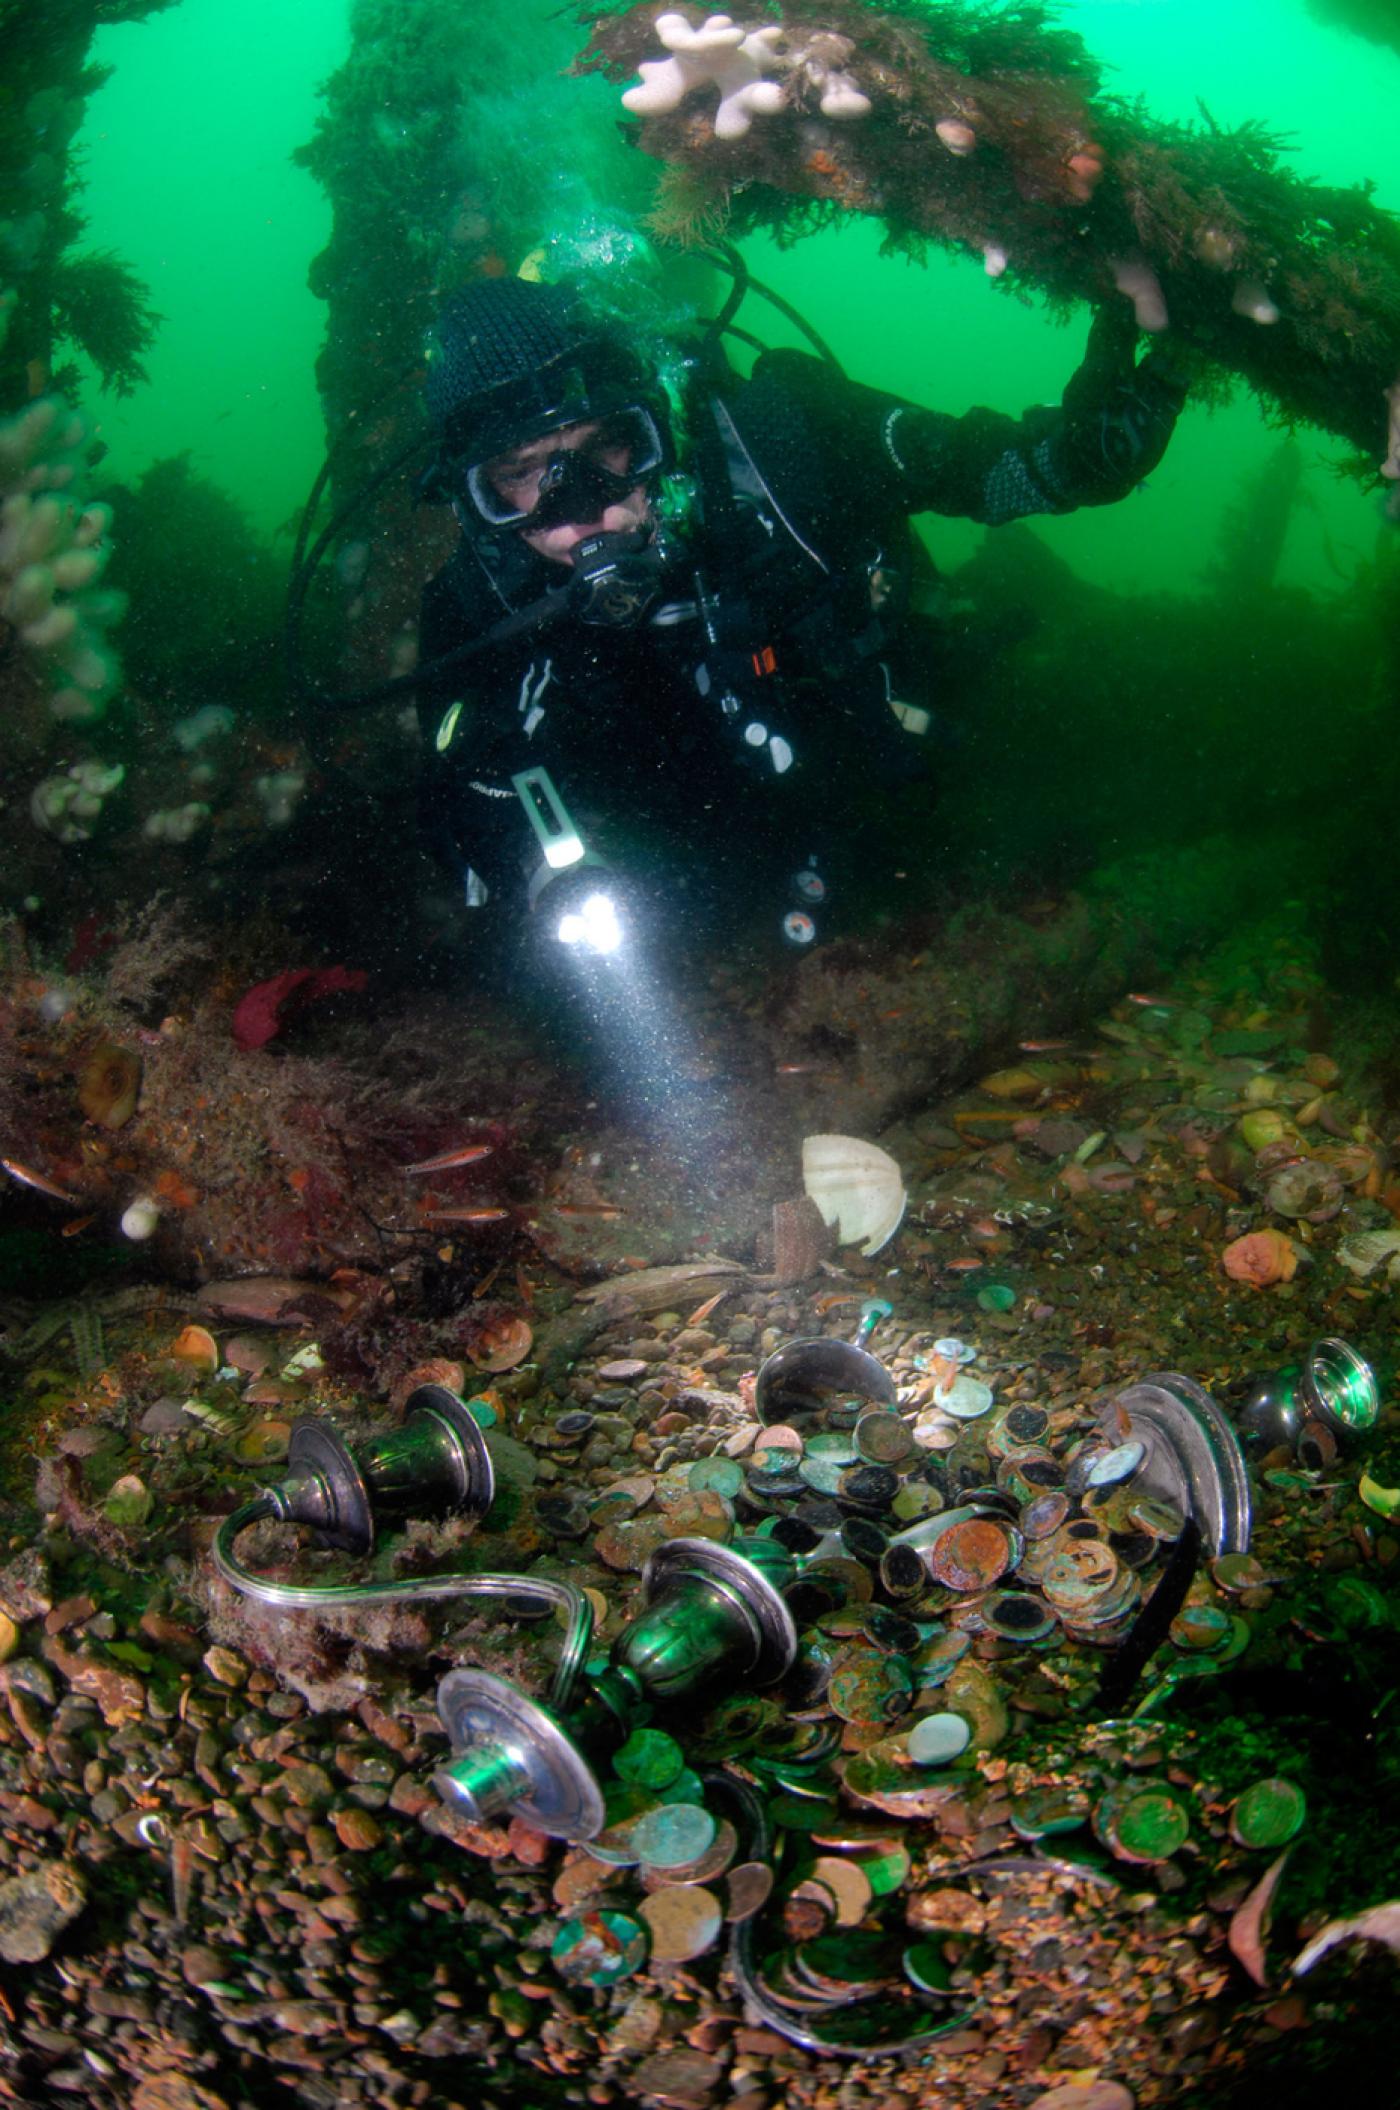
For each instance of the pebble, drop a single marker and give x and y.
(357, 1830)
(36, 1907)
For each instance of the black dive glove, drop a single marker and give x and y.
(1116, 415)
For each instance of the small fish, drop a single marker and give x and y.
(79, 1223)
(1150, 1002)
(449, 1160)
(963, 1265)
(39, 1181)
(1042, 1047)
(468, 1216)
(574, 1210)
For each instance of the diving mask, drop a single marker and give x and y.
(538, 487)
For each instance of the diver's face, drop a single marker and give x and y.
(518, 474)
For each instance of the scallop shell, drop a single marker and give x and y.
(857, 1186)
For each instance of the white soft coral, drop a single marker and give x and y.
(738, 62)
(718, 51)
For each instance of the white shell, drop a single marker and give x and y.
(857, 1186)
(1364, 1251)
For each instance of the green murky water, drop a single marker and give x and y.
(187, 155)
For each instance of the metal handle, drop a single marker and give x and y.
(310, 1597)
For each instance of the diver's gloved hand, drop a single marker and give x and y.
(1117, 412)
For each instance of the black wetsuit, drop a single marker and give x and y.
(781, 654)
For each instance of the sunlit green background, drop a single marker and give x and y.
(187, 163)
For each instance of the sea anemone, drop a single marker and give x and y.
(1261, 1258)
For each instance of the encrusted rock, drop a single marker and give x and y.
(36, 1907)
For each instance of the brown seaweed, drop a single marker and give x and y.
(1293, 285)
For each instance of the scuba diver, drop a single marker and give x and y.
(676, 630)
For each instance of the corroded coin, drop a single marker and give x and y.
(674, 1834)
(649, 1759)
(1236, 1572)
(1025, 1423)
(1042, 1813)
(824, 1474)
(1146, 1825)
(683, 1921)
(1044, 1514)
(936, 1432)
(882, 1438)
(629, 1546)
(1200, 1626)
(1160, 1520)
(1023, 1474)
(850, 1583)
(877, 1780)
(886, 1870)
(1015, 1616)
(971, 1555)
(869, 1687)
(700, 1516)
(849, 1886)
(966, 1399)
(836, 1444)
(903, 1571)
(625, 1808)
(747, 1889)
(599, 1948)
(940, 1657)
(916, 1499)
(1080, 1571)
(718, 1476)
(706, 1869)
(872, 1486)
(1268, 1814)
(864, 1539)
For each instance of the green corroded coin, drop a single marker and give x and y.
(598, 1948)
(996, 1297)
(717, 1476)
(823, 1474)
(483, 1413)
(886, 1870)
(832, 1443)
(1202, 1626)
(1268, 1814)
(1043, 1813)
(674, 1834)
(927, 1968)
(686, 1787)
(1148, 1827)
(649, 1759)
(868, 1687)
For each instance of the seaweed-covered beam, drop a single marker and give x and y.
(985, 129)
